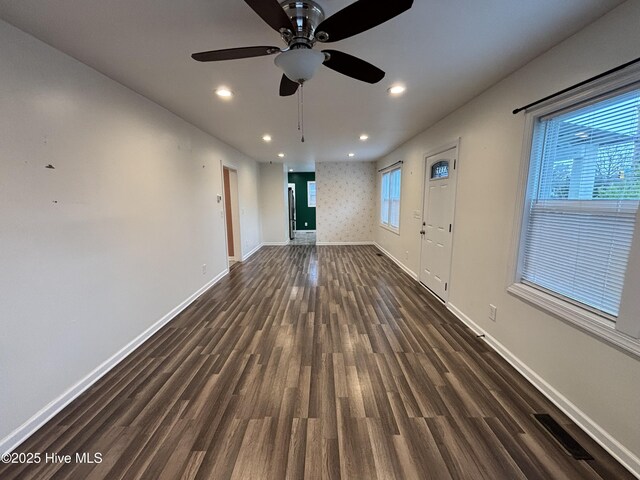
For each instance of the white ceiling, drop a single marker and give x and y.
(445, 51)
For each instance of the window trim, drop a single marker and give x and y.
(625, 333)
(308, 196)
(388, 226)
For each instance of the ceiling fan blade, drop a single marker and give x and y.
(271, 12)
(288, 87)
(359, 17)
(353, 67)
(234, 53)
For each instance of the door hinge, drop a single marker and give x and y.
(445, 286)
(449, 228)
(455, 163)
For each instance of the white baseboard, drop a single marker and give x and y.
(627, 458)
(406, 269)
(246, 257)
(276, 244)
(329, 244)
(305, 231)
(20, 434)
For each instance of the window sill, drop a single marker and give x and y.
(583, 319)
(390, 229)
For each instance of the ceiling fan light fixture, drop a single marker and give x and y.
(301, 64)
(364, 137)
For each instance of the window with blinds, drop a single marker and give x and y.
(582, 199)
(390, 199)
(311, 194)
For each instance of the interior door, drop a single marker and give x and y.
(437, 221)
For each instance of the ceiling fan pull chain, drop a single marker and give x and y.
(302, 110)
(298, 97)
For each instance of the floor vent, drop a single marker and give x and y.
(562, 437)
(380, 254)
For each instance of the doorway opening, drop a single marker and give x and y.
(232, 215)
(301, 190)
(439, 199)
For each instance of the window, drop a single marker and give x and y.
(580, 208)
(440, 170)
(390, 199)
(311, 194)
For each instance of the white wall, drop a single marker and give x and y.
(345, 199)
(599, 380)
(96, 251)
(274, 213)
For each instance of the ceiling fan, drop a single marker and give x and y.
(301, 24)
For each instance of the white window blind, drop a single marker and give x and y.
(583, 194)
(390, 198)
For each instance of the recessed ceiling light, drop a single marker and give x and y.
(224, 92)
(397, 90)
(364, 137)
(291, 169)
(281, 155)
(266, 138)
(351, 155)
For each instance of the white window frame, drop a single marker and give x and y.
(625, 332)
(388, 226)
(309, 203)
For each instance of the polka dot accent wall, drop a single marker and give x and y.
(346, 201)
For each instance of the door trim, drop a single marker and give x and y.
(430, 153)
(236, 235)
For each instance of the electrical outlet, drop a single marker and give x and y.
(492, 312)
(406, 255)
(204, 268)
(306, 224)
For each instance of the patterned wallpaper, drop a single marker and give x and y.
(346, 202)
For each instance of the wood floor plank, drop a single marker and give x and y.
(313, 451)
(297, 449)
(312, 362)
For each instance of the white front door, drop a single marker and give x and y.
(437, 221)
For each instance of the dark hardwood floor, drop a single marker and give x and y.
(312, 362)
